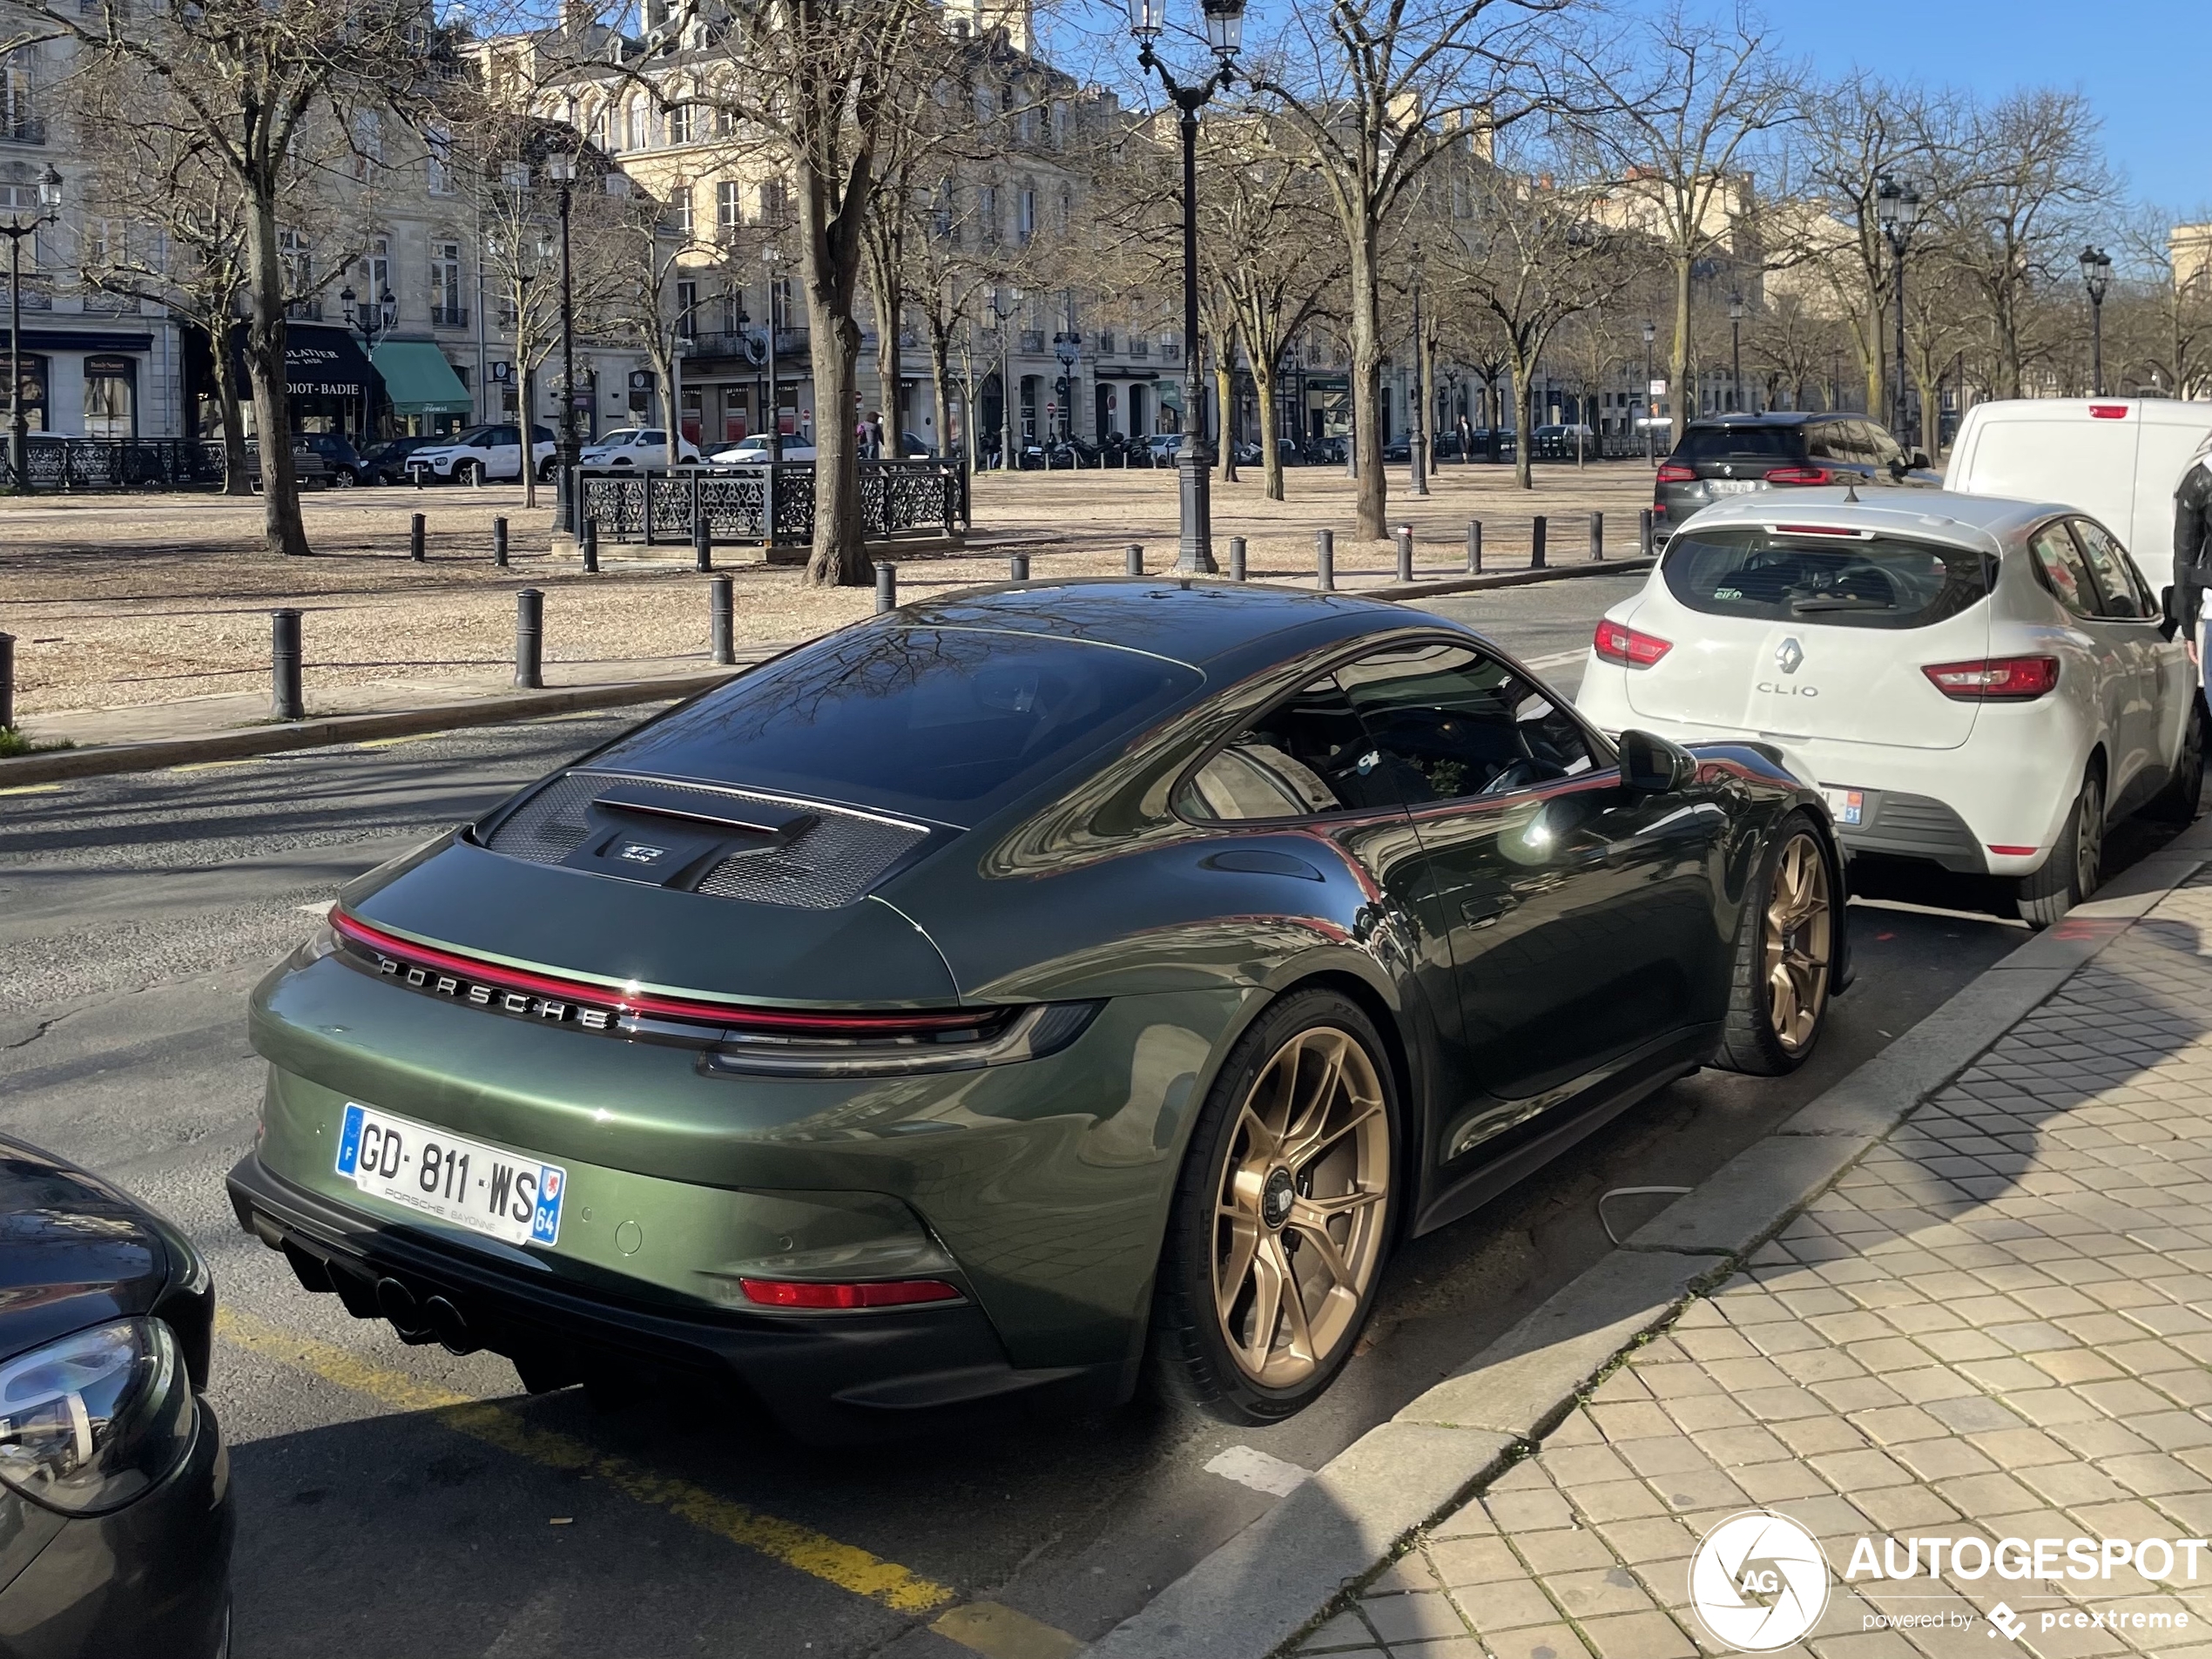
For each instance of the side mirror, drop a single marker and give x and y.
(1920, 460)
(1651, 765)
(2170, 620)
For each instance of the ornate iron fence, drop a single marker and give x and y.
(897, 498)
(115, 463)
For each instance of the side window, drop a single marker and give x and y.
(1820, 441)
(507, 435)
(2058, 562)
(648, 438)
(2109, 570)
(1881, 449)
(1844, 443)
(1448, 722)
(1308, 754)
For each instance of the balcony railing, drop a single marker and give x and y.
(29, 128)
(1032, 340)
(449, 316)
(305, 311)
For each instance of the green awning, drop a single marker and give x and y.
(418, 381)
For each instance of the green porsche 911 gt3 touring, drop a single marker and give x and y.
(1020, 993)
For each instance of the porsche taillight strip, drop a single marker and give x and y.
(474, 971)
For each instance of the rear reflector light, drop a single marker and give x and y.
(1995, 679)
(2011, 851)
(474, 971)
(1617, 644)
(2108, 411)
(1801, 475)
(873, 1293)
(1673, 472)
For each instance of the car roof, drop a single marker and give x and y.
(1943, 515)
(1194, 622)
(1775, 417)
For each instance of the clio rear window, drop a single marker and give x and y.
(1842, 581)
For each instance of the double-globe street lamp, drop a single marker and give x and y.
(560, 169)
(373, 318)
(1006, 305)
(772, 262)
(1068, 346)
(2096, 276)
(1736, 351)
(1417, 432)
(50, 212)
(1225, 35)
(1650, 412)
(1896, 209)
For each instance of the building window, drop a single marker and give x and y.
(683, 123)
(376, 269)
(986, 210)
(299, 263)
(438, 141)
(447, 310)
(774, 205)
(733, 309)
(679, 207)
(1025, 214)
(729, 208)
(1066, 211)
(109, 409)
(368, 144)
(687, 308)
(639, 126)
(18, 116)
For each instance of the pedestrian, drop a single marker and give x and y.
(2192, 549)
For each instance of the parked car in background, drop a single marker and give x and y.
(1163, 447)
(792, 993)
(634, 447)
(1980, 684)
(1736, 454)
(343, 460)
(485, 455)
(2118, 459)
(912, 446)
(386, 462)
(115, 1495)
(310, 469)
(752, 449)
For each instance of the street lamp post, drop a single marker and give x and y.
(1897, 207)
(50, 209)
(1417, 429)
(1005, 306)
(1067, 347)
(1650, 413)
(1736, 351)
(2096, 276)
(560, 168)
(1226, 34)
(374, 318)
(772, 259)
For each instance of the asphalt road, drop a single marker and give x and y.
(383, 1513)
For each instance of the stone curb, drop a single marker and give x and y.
(1283, 1574)
(1504, 579)
(97, 759)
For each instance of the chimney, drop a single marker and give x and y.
(980, 17)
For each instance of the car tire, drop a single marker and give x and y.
(2177, 803)
(1293, 1239)
(2075, 868)
(468, 472)
(1782, 977)
(548, 471)
(343, 479)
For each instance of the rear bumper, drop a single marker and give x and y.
(824, 1376)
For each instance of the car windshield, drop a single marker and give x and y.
(1843, 580)
(476, 435)
(1724, 443)
(624, 436)
(947, 722)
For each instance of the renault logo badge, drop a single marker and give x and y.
(1788, 655)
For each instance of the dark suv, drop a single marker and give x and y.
(1735, 454)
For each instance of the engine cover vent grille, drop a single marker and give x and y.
(833, 861)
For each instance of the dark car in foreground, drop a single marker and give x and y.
(1016, 992)
(115, 1505)
(1734, 455)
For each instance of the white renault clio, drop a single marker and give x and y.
(1978, 682)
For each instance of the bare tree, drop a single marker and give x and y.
(2158, 324)
(1370, 93)
(1679, 106)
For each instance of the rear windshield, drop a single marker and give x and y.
(947, 722)
(1773, 576)
(1717, 442)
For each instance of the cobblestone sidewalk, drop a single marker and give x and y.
(1997, 1326)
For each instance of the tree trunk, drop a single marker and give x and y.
(1524, 422)
(236, 480)
(839, 557)
(1270, 436)
(889, 299)
(282, 532)
(529, 426)
(1371, 495)
(941, 391)
(1224, 393)
(1677, 360)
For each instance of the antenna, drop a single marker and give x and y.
(1851, 489)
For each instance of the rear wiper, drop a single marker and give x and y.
(1841, 602)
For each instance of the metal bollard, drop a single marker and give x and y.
(721, 603)
(590, 545)
(1474, 547)
(1597, 537)
(499, 542)
(1017, 567)
(414, 539)
(1536, 544)
(1643, 532)
(702, 539)
(1325, 561)
(530, 639)
(283, 663)
(886, 586)
(1235, 559)
(1404, 552)
(7, 682)
(1133, 559)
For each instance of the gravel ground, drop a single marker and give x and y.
(122, 601)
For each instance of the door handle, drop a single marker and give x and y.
(1258, 861)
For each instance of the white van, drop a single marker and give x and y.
(2118, 460)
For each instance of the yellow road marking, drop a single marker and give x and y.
(847, 1567)
(390, 743)
(32, 789)
(1001, 1633)
(210, 765)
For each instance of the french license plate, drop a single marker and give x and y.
(1846, 805)
(1733, 486)
(463, 1183)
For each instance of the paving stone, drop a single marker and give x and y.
(1639, 1635)
(1508, 1605)
(1548, 1552)
(1343, 1633)
(1589, 1594)
(1535, 1642)
(1473, 1560)
(1416, 1616)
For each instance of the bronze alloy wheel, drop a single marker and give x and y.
(1300, 1212)
(1799, 918)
